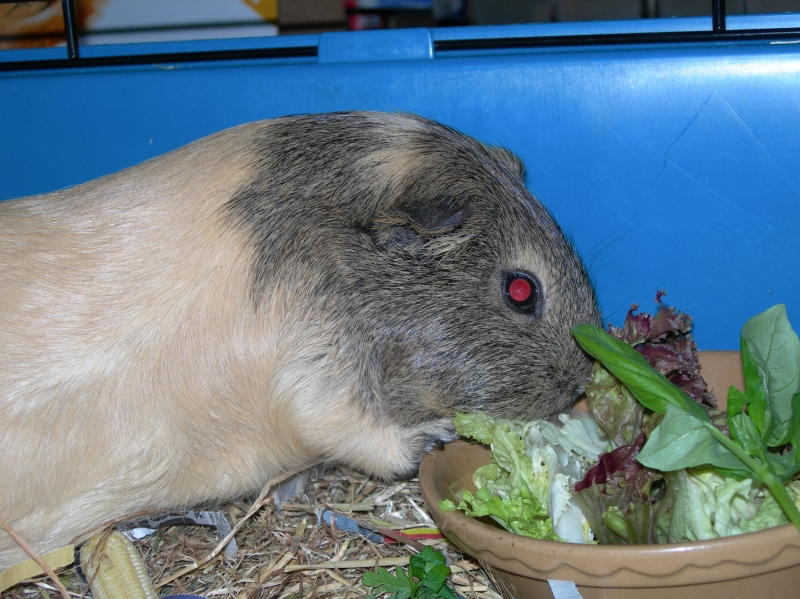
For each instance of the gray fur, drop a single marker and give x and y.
(324, 288)
(428, 331)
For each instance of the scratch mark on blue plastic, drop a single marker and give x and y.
(715, 195)
(722, 200)
(531, 160)
(609, 241)
(684, 131)
(759, 145)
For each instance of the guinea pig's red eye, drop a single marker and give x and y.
(522, 292)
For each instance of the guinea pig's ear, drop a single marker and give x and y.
(413, 224)
(511, 161)
(434, 218)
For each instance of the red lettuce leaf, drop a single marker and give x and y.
(619, 463)
(666, 342)
(614, 497)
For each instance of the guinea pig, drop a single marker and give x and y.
(321, 288)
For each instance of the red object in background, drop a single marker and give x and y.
(360, 21)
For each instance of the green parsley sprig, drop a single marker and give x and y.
(426, 578)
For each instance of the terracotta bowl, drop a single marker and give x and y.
(761, 564)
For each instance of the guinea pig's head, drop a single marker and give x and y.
(444, 284)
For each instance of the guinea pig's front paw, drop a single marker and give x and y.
(379, 447)
(431, 435)
(437, 444)
(438, 439)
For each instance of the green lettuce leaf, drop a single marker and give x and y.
(508, 489)
(475, 426)
(708, 505)
(614, 406)
(522, 514)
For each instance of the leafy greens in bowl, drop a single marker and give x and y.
(657, 462)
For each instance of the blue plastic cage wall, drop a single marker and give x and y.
(672, 163)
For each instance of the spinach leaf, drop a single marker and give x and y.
(771, 357)
(651, 388)
(683, 441)
(744, 430)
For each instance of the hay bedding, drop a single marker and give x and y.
(288, 555)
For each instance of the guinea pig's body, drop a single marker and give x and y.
(318, 288)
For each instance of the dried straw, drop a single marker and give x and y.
(291, 554)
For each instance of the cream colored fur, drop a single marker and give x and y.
(107, 291)
(311, 288)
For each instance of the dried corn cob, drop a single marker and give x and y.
(114, 568)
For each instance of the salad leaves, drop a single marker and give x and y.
(527, 486)
(612, 404)
(656, 461)
(508, 489)
(703, 504)
(763, 419)
(615, 497)
(647, 385)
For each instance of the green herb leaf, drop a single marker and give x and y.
(386, 582)
(446, 593)
(650, 387)
(427, 578)
(737, 401)
(683, 441)
(791, 433)
(769, 341)
(744, 430)
(435, 578)
(785, 465)
(421, 563)
(796, 436)
(755, 395)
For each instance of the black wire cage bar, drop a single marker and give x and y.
(718, 33)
